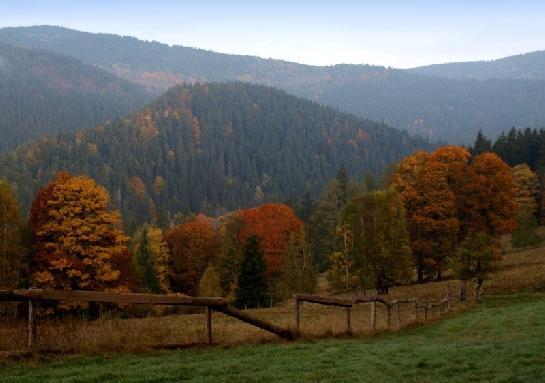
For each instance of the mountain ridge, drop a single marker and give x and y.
(44, 93)
(439, 108)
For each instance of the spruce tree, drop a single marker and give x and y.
(481, 145)
(252, 282)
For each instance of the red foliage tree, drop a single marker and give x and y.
(273, 223)
(193, 245)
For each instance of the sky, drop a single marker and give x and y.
(393, 33)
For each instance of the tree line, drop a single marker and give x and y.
(432, 212)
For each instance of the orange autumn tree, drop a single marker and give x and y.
(77, 240)
(493, 195)
(273, 223)
(423, 184)
(193, 246)
(455, 203)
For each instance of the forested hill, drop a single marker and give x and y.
(440, 108)
(46, 93)
(529, 66)
(212, 147)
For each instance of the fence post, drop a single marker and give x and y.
(374, 316)
(425, 312)
(415, 308)
(348, 325)
(296, 314)
(448, 301)
(31, 326)
(398, 316)
(389, 316)
(209, 324)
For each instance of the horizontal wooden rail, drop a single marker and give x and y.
(108, 297)
(330, 301)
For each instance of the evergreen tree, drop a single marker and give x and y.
(252, 283)
(481, 145)
(306, 207)
(145, 264)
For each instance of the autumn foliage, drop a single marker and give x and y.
(76, 239)
(193, 246)
(272, 223)
(450, 197)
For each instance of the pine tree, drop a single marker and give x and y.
(252, 283)
(481, 145)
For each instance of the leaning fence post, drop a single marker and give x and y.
(209, 324)
(348, 325)
(31, 326)
(296, 314)
(374, 315)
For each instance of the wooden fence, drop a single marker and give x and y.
(221, 305)
(391, 306)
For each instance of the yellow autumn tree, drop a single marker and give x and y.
(77, 240)
(342, 274)
(422, 181)
(527, 186)
(209, 284)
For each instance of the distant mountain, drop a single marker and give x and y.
(211, 147)
(45, 93)
(528, 66)
(433, 106)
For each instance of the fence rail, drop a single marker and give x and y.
(373, 299)
(32, 296)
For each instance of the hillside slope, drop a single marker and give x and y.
(435, 107)
(46, 93)
(209, 148)
(529, 66)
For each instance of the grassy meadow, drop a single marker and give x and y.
(498, 341)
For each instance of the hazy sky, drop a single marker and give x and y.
(391, 33)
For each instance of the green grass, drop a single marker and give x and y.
(503, 340)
